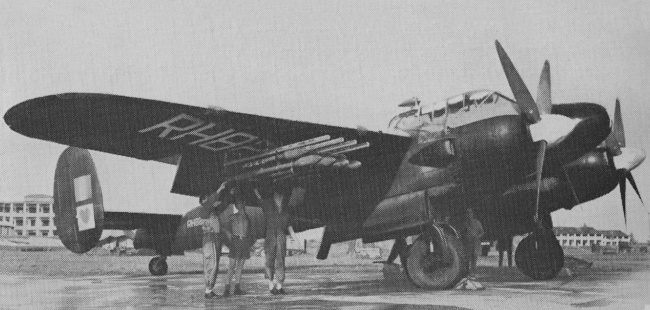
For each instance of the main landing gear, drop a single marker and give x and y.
(540, 255)
(436, 265)
(158, 266)
(436, 260)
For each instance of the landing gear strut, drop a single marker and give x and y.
(441, 268)
(158, 266)
(540, 255)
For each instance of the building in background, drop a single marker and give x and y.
(586, 236)
(33, 216)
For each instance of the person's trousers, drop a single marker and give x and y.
(472, 252)
(236, 265)
(211, 253)
(275, 246)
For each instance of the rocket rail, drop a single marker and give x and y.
(296, 158)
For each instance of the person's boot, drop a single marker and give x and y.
(238, 290)
(226, 291)
(210, 295)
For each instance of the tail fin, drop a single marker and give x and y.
(78, 206)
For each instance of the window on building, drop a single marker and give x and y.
(54, 233)
(45, 208)
(31, 221)
(19, 222)
(19, 207)
(31, 208)
(45, 221)
(19, 232)
(44, 233)
(31, 233)
(8, 219)
(563, 242)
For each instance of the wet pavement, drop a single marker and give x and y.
(344, 287)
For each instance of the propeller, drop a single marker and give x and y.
(546, 129)
(621, 158)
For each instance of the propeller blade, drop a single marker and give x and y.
(544, 102)
(573, 191)
(519, 90)
(541, 153)
(621, 186)
(610, 159)
(616, 138)
(619, 131)
(636, 189)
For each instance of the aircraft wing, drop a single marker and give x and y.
(198, 140)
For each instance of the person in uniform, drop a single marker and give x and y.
(213, 237)
(472, 241)
(237, 230)
(277, 218)
(504, 244)
(399, 246)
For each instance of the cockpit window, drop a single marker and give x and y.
(455, 104)
(481, 97)
(445, 113)
(489, 99)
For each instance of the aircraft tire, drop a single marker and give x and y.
(543, 262)
(158, 266)
(430, 271)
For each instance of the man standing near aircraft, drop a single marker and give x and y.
(398, 247)
(472, 239)
(237, 229)
(504, 244)
(277, 220)
(213, 237)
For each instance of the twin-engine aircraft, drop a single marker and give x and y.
(512, 161)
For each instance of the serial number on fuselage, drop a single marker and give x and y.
(195, 222)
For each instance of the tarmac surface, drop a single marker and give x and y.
(339, 287)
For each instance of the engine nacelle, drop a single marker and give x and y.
(78, 203)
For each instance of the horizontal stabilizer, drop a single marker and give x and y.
(131, 221)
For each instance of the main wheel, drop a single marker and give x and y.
(539, 256)
(433, 270)
(158, 266)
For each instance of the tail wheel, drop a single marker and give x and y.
(158, 266)
(435, 270)
(539, 256)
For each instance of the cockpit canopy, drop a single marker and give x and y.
(452, 112)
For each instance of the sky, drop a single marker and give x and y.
(345, 63)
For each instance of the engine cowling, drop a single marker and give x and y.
(78, 203)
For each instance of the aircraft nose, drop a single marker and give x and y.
(630, 158)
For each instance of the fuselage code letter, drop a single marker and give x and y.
(200, 132)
